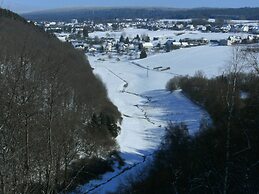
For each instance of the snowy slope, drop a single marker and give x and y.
(209, 59)
(146, 107)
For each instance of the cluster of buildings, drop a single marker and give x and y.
(210, 25)
(202, 25)
(235, 40)
(77, 33)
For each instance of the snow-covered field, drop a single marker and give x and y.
(209, 59)
(146, 106)
(248, 22)
(164, 34)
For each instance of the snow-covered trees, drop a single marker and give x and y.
(48, 96)
(233, 119)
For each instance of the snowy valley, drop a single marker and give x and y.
(109, 102)
(147, 107)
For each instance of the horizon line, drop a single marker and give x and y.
(125, 7)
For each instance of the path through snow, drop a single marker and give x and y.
(146, 108)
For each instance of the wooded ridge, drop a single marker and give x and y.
(55, 112)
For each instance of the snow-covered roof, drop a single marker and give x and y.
(148, 45)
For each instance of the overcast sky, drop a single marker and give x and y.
(21, 6)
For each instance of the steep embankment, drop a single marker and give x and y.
(54, 111)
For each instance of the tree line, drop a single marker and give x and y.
(55, 117)
(102, 14)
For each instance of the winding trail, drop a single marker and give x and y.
(120, 173)
(146, 117)
(148, 98)
(146, 110)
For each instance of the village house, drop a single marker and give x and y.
(148, 45)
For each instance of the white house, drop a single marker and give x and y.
(108, 46)
(63, 37)
(245, 28)
(177, 44)
(185, 44)
(190, 27)
(148, 45)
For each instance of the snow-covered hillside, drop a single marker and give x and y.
(187, 61)
(146, 106)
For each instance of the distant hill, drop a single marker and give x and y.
(154, 13)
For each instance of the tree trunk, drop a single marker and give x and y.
(232, 84)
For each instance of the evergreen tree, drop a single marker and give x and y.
(140, 46)
(102, 49)
(143, 54)
(145, 38)
(127, 40)
(122, 39)
(85, 32)
(137, 38)
(168, 47)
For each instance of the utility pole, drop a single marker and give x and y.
(147, 70)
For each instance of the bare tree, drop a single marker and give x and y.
(232, 72)
(48, 95)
